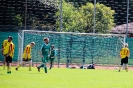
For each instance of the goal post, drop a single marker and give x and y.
(81, 48)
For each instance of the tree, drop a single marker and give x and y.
(81, 19)
(17, 20)
(104, 17)
(70, 18)
(78, 3)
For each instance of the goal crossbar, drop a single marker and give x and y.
(122, 35)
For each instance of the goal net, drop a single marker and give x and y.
(79, 48)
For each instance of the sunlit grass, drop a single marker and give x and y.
(65, 78)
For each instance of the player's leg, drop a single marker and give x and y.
(42, 65)
(30, 64)
(20, 65)
(4, 62)
(126, 67)
(126, 63)
(121, 65)
(45, 67)
(50, 59)
(9, 67)
(51, 62)
(8, 61)
(45, 63)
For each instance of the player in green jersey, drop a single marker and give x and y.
(44, 52)
(52, 56)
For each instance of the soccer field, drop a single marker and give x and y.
(65, 78)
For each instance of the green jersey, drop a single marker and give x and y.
(52, 53)
(45, 49)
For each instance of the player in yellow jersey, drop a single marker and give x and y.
(27, 55)
(124, 54)
(8, 52)
(4, 43)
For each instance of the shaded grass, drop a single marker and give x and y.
(65, 78)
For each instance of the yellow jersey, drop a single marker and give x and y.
(4, 44)
(27, 52)
(9, 48)
(125, 52)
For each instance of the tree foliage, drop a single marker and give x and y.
(71, 18)
(104, 17)
(82, 19)
(18, 20)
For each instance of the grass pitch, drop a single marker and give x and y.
(65, 78)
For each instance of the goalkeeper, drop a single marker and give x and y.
(124, 54)
(44, 52)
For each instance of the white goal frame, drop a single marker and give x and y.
(21, 35)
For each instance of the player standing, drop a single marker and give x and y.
(4, 43)
(8, 53)
(27, 55)
(44, 52)
(124, 54)
(52, 56)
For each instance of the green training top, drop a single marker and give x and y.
(45, 49)
(52, 53)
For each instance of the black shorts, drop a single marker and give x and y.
(51, 59)
(124, 60)
(5, 54)
(26, 59)
(8, 59)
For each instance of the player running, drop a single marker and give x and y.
(44, 52)
(8, 52)
(124, 54)
(52, 56)
(27, 56)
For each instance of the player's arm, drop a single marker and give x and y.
(55, 52)
(128, 53)
(27, 52)
(40, 51)
(11, 47)
(49, 53)
(120, 53)
(3, 43)
(1, 50)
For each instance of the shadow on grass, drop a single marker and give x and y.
(36, 73)
(1, 74)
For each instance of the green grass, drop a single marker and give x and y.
(65, 78)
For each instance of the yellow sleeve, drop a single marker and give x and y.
(3, 44)
(120, 52)
(11, 47)
(27, 49)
